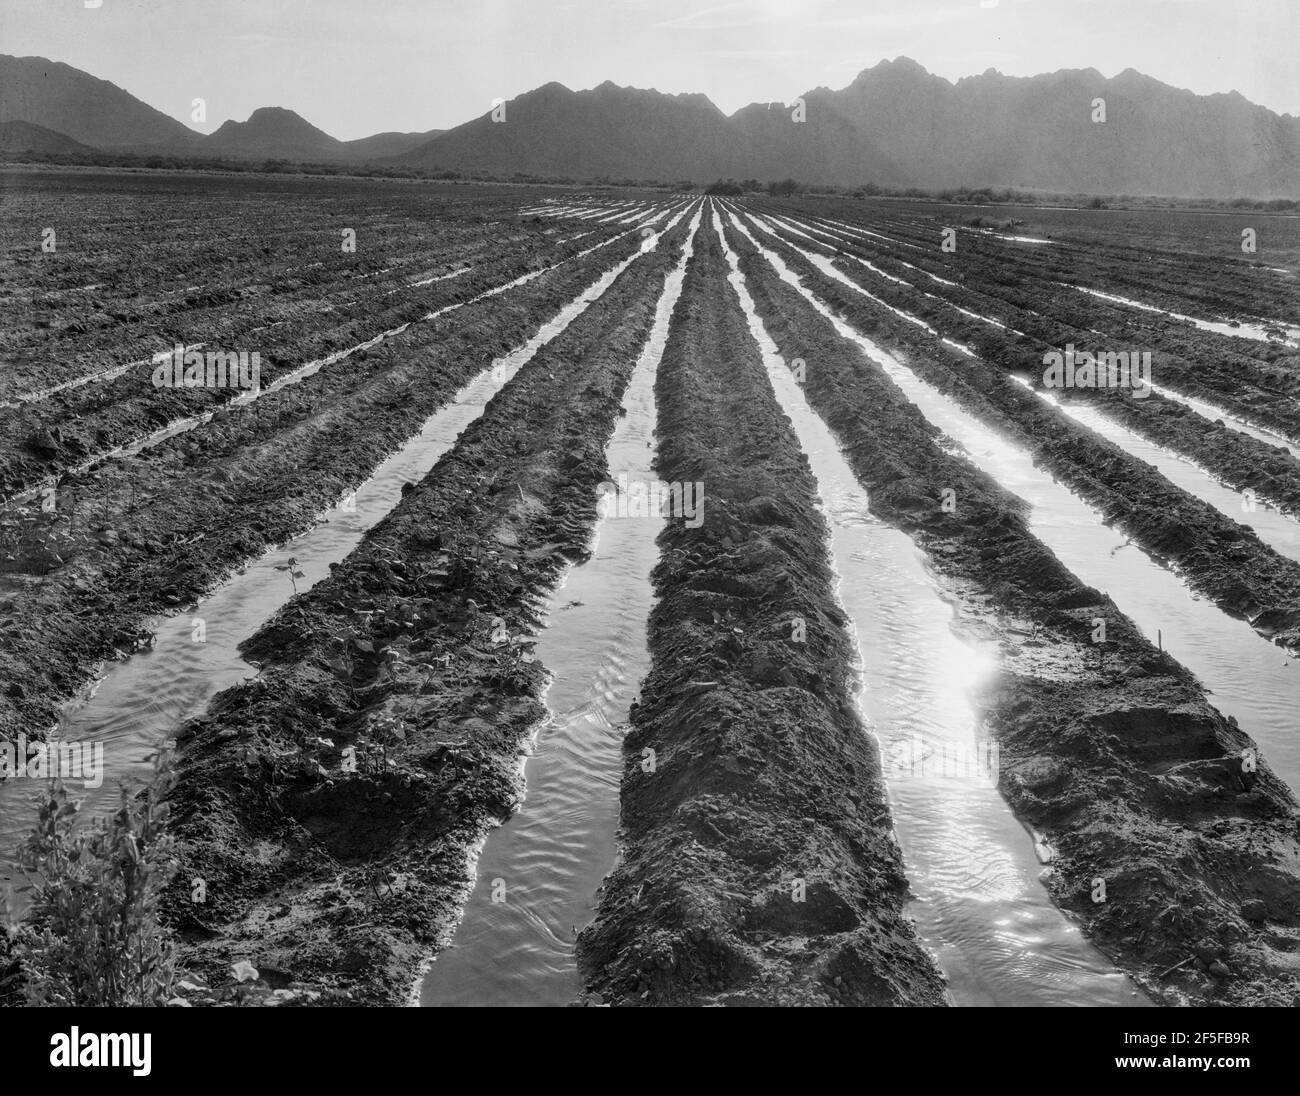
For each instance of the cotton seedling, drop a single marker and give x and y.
(295, 573)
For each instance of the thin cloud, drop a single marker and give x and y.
(718, 18)
(753, 54)
(901, 20)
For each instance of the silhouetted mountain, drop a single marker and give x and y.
(64, 100)
(274, 132)
(277, 133)
(384, 145)
(995, 130)
(92, 111)
(897, 124)
(27, 137)
(620, 132)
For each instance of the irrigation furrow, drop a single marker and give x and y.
(1200, 283)
(212, 508)
(1110, 265)
(1116, 761)
(1214, 413)
(1259, 585)
(978, 900)
(260, 589)
(23, 490)
(1231, 455)
(1246, 673)
(758, 860)
(560, 843)
(1258, 331)
(430, 615)
(254, 291)
(1279, 530)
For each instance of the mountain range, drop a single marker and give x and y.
(895, 125)
(95, 113)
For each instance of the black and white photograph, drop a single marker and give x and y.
(612, 503)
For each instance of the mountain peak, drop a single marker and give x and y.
(548, 89)
(268, 114)
(900, 63)
(277, 132)
(279, 118)
(900, 68)
(83, 107)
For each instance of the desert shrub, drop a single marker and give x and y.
(95, 938)
(11, 973)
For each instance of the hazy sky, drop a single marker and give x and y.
(356, 67)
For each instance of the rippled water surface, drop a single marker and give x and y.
(979, 903)
(548, 860)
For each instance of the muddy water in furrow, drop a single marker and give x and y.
(546, 862)
(827, 267)
(300, 373)
(1257, 331)
(1248, 677)
(978, 903)
(1202, 407)
(90, 378)
(142, 700)
(1279, 531)
(1233, 421)
(901, 281)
